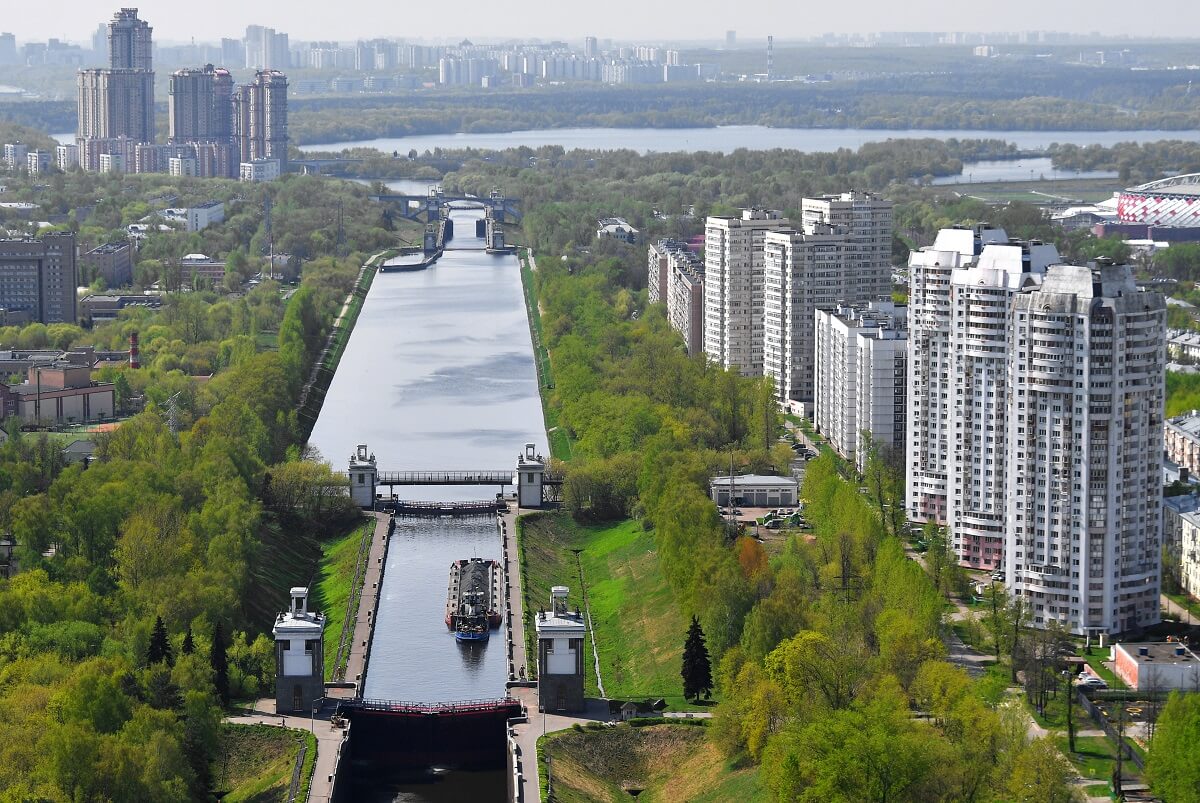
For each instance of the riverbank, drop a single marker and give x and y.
(557, 437)
(312, 396)
(341, 575)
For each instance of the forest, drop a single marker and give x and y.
(147, 579)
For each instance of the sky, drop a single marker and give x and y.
(625, 20)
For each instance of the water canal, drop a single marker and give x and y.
(438, 374)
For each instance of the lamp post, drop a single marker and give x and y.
(1070, 719)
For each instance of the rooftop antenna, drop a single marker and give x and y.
(770, 57)
(173, 413)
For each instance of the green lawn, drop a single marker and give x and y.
(1186, 602)
(1094, 756)
(336, 573)
(639, 628)
(255, 763)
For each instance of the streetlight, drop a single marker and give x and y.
(1070, 718)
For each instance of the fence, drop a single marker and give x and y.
(1097, 714)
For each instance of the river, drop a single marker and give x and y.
(724, 139)
(438, 374)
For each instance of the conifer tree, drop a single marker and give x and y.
(160, 646)
(189, 646)
(697, 669)
(220, 664)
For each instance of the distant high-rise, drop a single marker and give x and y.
(730, 39)
(591, 47)
(200, 105)
(118, 101)
(129, 46)
(260, 118)
(39, 277)
(8, 48)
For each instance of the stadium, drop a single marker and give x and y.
(1171, 201)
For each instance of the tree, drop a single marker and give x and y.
(160, 646)
(1172, 767)
(189, 646)
(220, 663)
(697, 670)
(1040, 775)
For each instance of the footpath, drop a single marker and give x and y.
(330, 737)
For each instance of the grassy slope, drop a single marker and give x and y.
(672, 763)
(285, 559)
(639, 628)
(335, 575)
(256, 763)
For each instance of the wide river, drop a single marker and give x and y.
(438, 374)
(724, 139)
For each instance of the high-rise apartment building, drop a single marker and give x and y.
(676, 279)
(980, 302)
(733, 288)
(118, 101)
(838, 257)
(200, 105)
(1085, 445)
(867, 221)
(129, 45)
(927, 459)
(260, 119)
(38, 278)
(861, 354)
(591, 47)
(8, 49)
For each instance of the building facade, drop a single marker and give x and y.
(112, 262)
(38, 277)
(259, 123)
(927, 456)
(860, 354)
(1084, 480)
(980, 301)
(733, 288)
(1182, 440)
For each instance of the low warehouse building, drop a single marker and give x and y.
(754, 490)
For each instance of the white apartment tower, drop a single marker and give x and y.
(867, 221)
(980, 301)
(801, 272)
(861, 353)
(1085, 449)
(927, 458)
(842, 255)
(733, 288)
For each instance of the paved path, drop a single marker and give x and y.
(329, 742)
(1176, 609)
(514, 601)
(540, 724)
(356, 664)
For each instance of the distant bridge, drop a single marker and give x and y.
(429, 208)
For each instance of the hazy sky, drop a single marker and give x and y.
(647, 20)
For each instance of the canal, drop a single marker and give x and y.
(438, 374)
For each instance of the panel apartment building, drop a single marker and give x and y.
(861, 356)
(733, 288)
(841, 255)
(38, 278)
(676, 279)
(1085, 449)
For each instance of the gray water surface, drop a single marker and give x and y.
(438, 374)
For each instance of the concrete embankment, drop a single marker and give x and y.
(312, 395)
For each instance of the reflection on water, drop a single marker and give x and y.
(438, 374)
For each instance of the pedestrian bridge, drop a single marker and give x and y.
(478, 477)
(536, 485)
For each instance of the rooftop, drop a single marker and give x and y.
(747, 480)
(1186, 185)
(1161, 652)
(1188, 423)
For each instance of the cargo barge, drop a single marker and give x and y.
(472, 599)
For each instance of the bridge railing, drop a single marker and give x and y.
(483, 477)
(452, 707)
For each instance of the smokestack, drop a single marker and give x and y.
(134, 362)
(770, 57)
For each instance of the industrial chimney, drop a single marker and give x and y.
(134, 362)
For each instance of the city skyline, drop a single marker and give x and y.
(705, 20)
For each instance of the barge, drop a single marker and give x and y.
(473, 598)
